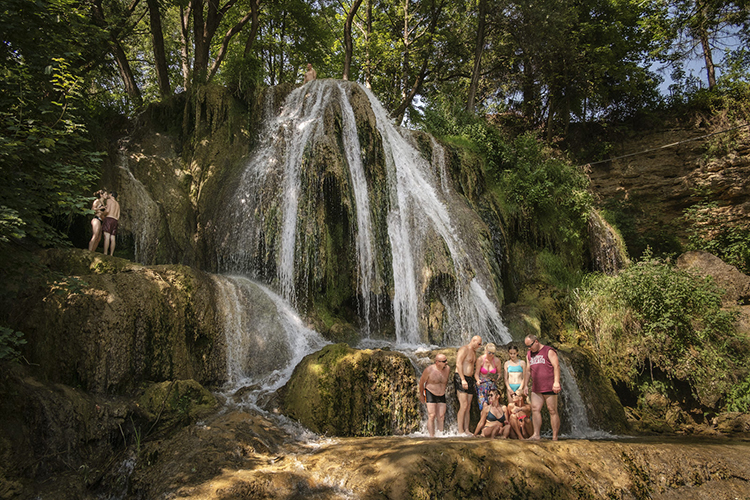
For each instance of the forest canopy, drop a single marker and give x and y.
(547, 63)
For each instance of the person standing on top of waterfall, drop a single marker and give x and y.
(464, 383)
(544, 369)
(310, 74)
(432, 385)
(111, 222)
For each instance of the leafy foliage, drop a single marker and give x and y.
(10, 342)
(711, 232)
(654, 323)
(46, 160)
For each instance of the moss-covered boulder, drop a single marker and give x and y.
(603, 408)
(342, 391)
(167, 404)
(113, 324)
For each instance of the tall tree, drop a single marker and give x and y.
(160, 55)
(117, 31)
(478, 50)
(348, 46)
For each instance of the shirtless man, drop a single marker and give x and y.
(544, 369)
(310, 74)
(110, 222)
(432, 385)
(464, 383)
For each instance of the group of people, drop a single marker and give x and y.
(106, 219)
(479, 375)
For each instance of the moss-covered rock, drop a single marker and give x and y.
(342, 391)
(166, 404)
(116, 324)
(603, 408)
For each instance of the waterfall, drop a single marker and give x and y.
(417, 209)
(264, 232)
(265, 339)
(365, 257)
(573, 409)
(139, 213)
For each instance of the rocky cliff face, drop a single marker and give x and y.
(108, 325)
(665, 171)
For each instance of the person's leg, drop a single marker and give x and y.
(506, 431)
(112, 243)
(96, 226)
(441, 408)
(516, 427)
(554, 417)
(536, 414)
(527, 427)
(464, 401)
(467, 414)
(106, 242)
(431, 412)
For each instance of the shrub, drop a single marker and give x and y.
(710, 232)
(654, 322)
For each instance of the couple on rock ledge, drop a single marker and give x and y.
(475, 375)
(105, 221)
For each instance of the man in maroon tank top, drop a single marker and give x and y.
(544, 369)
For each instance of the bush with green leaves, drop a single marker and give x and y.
(10, 342)
(710, 232)
(657, 325)
(544, 198)
(47, 163)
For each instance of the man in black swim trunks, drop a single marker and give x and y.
(432, 385)
(463, 381)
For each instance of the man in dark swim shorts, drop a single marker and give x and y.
(432, 385)
(465, 383)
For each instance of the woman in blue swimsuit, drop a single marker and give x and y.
(495, 420)
(514, 371)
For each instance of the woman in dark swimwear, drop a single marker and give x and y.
(96, 223)
(494, 420)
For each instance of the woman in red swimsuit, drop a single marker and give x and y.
(485, 374)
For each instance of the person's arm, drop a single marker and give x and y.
(422, 382)
(482, 420)
(553, 359)
(460, 367)
(526, 375)
(477, 366)
(525, 369)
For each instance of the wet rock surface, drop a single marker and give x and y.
(243, 455)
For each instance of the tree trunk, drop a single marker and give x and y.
(368, 40)
(481, 24)
(160, 57)
(348, 45)
(708, 58)
(123, 65)
(254, 26)
(185, 49)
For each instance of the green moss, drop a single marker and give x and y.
(346, 392)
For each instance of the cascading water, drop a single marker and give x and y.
(417, 210)
(265, 339)
(140, 214)
(264, 229)
(573, 408)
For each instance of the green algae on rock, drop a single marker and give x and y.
(341, 391)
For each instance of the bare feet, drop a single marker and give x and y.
(535, 438)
